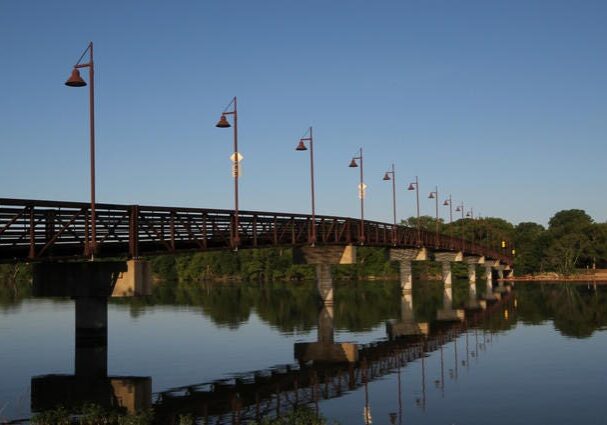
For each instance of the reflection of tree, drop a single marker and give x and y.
(576, 310)
(14, 285)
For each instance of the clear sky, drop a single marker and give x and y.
(501, 103)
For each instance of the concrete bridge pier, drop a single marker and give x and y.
(323, 257)
(446, 258)
(405, 257)
(489, 293)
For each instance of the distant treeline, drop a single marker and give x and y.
(572, 240)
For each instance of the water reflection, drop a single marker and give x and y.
(417, 330)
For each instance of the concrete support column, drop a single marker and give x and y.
(472, 290)
(447, 296)
(404, 258)
(322, 257)
(324, 283)
(489, 278)
(406, 276)
(446, 272)
(472, 273)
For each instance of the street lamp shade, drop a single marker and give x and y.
(431, 196)
(353, 163)
(411, 186)
(75, 79)
(468, 214)
(446, 203)
(301, 146)
(387, 177)
(458, 209)
(223, 122)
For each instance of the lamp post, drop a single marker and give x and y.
(302, 147)
(434, 195)
(236, 158)
(393, 178)
(460, 209)
(470, 215)
(361, 194)
(415, 186)
(75, 80)
(449, 202)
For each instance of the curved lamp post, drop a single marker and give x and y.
(224, 123)
(75, 80)
(302, 147)
(460, 209)
(415, 186)
(391, 175)
(361, 194)
(449, 202)
(434, 195)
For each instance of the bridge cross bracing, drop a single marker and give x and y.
(34, 230)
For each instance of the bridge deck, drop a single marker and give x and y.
(32, 230)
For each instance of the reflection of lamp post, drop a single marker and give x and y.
(393, 178)
(76, 80)
(302, 147)
(434, 195)
(415, 186)
(361, 194)
(224, 123)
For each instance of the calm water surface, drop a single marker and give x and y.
(223, 352)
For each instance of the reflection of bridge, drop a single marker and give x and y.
(37, 230)
(319, 374)
(251, 396)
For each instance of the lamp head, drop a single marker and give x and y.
(458, 209)
(446, 203)
(75, 79)
(353, 163)
(387, 177)
(301, 146)
(468, 214)
(411, 186)
(223, 122)
(431, 196)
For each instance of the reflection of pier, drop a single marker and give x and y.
(407, 325)
(258, 394)
(325, 349)
(90, 285)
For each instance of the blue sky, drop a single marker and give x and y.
(500, 103)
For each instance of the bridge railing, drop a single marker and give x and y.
(34, 230)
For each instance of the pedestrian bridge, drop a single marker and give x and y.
(34, 230)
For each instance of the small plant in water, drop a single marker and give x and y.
(91, 414)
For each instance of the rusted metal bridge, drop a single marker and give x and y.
(34, 230)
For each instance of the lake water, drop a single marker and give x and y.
(231, 353)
